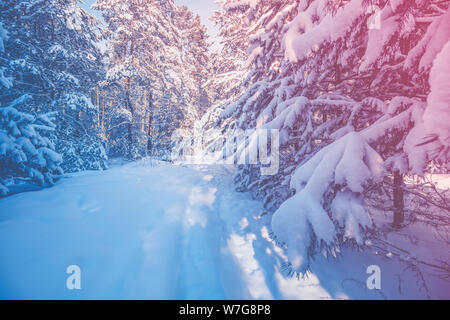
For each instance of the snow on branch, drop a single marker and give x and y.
(344, 167)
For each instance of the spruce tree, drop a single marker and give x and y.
(346, 83)
(53, 55)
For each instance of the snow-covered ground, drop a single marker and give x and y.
(151, 230)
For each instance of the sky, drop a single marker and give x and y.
(204, 8)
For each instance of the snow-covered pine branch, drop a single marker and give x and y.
(26, 148)
(335, 89)
(52, 55)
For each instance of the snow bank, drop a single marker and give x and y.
(140, 231)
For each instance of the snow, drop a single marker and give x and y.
(232, 5)
(378, 38)
(441, 180)
(24, 153)
(330, 28)
(349, 162)
(437, 114)
(3, 37)
(437, 35)
(348, 211)
(58, 50)
(396, 4)
(5, 81)
(150, 230)
(302, 23)
(417, 156)
(156, 230)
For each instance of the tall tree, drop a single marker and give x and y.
(158, 60)
(346, 85)
(53, 57)
(26, 141)
(229, 60)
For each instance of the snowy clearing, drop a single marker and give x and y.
(151, 230)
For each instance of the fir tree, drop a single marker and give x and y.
(348, 98)
(54, 58)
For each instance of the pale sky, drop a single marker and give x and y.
(205, 9)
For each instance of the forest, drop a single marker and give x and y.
(312, 141)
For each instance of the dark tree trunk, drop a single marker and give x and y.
(399, 214)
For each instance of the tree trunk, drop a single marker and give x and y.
(150, 132)
(130, 125)
(399, 214)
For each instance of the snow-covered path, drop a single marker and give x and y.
(136, 231)
(141, 231)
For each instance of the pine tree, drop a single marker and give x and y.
(26, 141)
(53, 55)
(26, 150)
(228, 63)
(157, 69)
(348, 100)
(196, 59)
